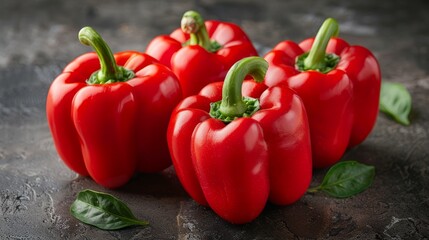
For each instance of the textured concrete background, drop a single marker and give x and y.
(39, 37)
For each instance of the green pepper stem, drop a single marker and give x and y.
(232, 104)
(316, 56)
(193, 24)
(109, 71)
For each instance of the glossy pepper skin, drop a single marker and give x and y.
(235, 163)
(110, 129)
(341, 98)
(201, 52)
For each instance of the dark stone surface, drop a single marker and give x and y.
(38, 38)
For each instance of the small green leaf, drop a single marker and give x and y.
(395, 101)
(346, 179)
(103, 211)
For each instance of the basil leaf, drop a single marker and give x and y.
(103, 211)
(395, 101)
(346, 179)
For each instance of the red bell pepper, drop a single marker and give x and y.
(201, 52)
(234, 153)
(109, 121)
(340, 87)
